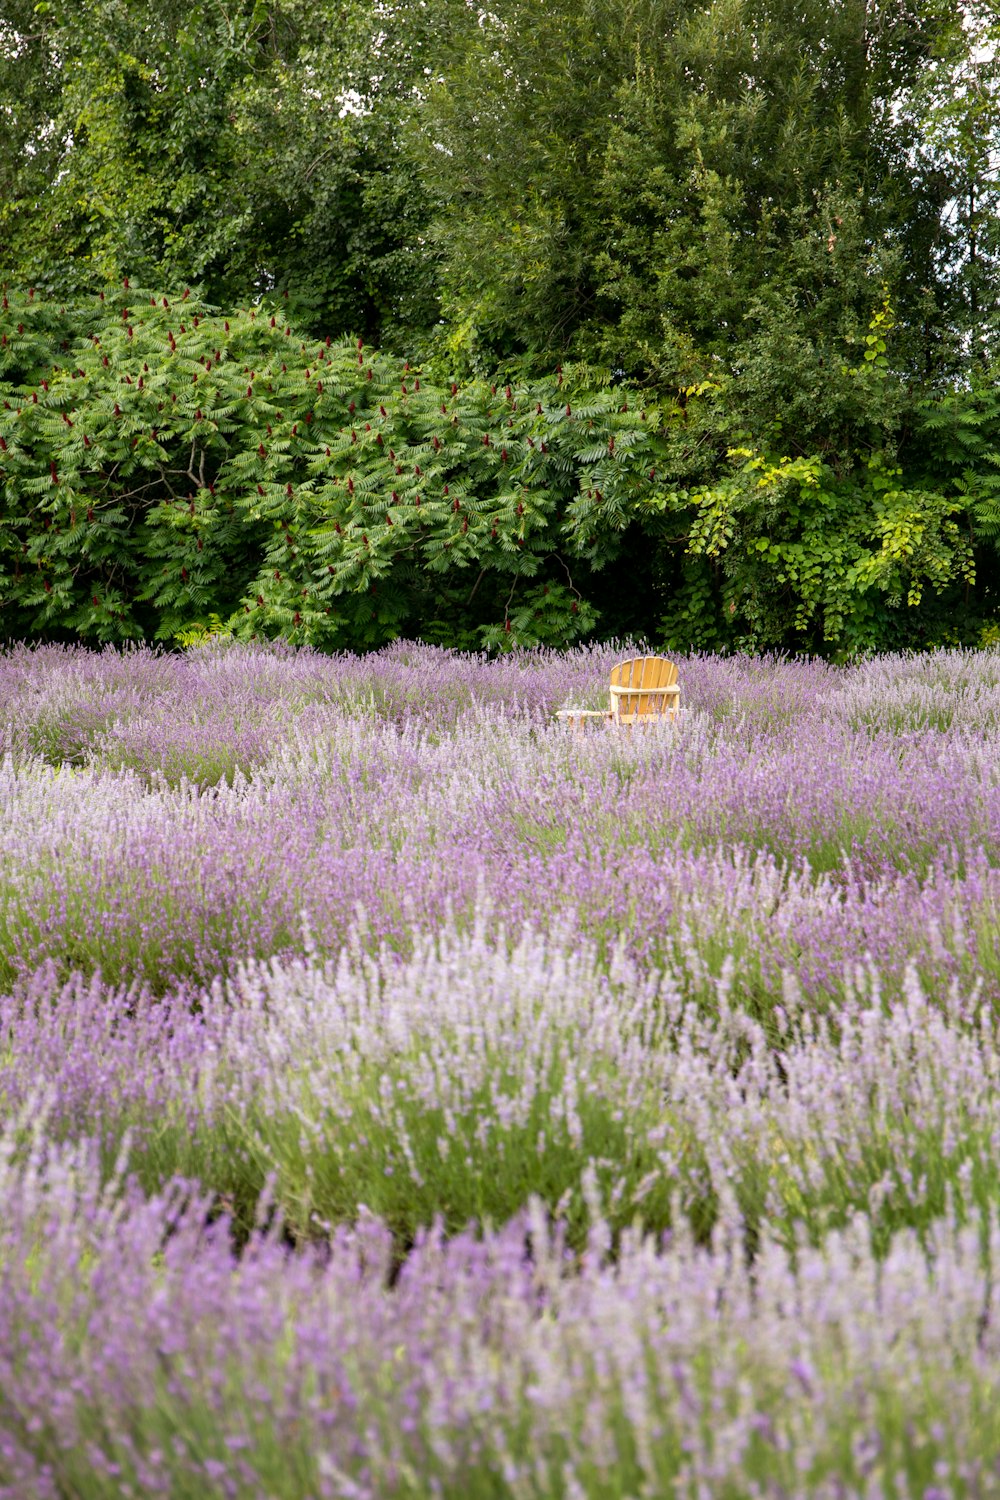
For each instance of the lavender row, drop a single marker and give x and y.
(459, 1083)
(139, 1358)
(58, 701)
(139, 707)
(686, 846)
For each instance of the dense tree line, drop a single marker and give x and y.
(770, 226)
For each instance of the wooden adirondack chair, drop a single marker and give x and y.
(643, 690)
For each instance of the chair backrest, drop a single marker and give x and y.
(645, 678)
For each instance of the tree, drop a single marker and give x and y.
(216, 146)
(623, 183)
(29, 102)
(953, 112)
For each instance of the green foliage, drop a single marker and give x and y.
(804, 548)
(168, 470)
(658, 186)
(776, 219)
(162, 462)
(953, 114)
(229, 148)
(201, 632)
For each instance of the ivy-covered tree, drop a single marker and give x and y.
(227, 147)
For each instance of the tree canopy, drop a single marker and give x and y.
(772, 223)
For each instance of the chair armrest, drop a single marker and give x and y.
(645, 692)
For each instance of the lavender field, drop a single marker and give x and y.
(401, 1096)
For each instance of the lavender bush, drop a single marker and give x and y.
(139, 1358)
(402, 1095)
